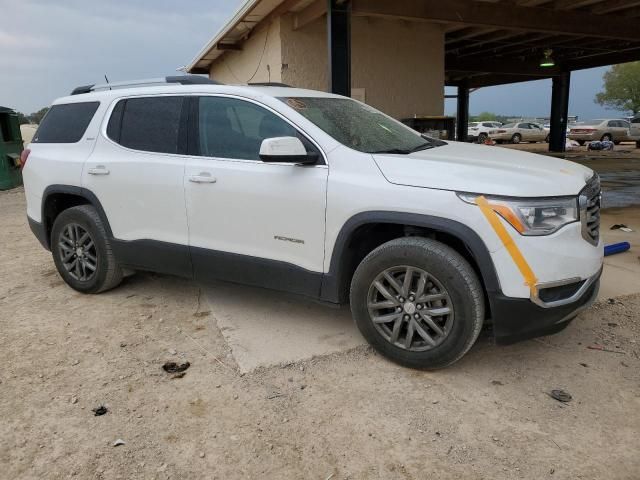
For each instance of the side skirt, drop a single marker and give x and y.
(209, 265)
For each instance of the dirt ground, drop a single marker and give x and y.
(350, 415)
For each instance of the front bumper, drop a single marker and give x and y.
(517, 319)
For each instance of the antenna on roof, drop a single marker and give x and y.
(107, 80)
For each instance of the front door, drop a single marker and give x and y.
(249, 221)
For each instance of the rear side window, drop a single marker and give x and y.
(149, 124)
(65, 123)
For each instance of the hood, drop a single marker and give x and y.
(465, 167)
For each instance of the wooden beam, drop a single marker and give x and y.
(614, 6)
(229, 46)
(529, 67)
(309, 14)
(533, 19)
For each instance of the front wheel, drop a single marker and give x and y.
(606, 137)
(82, 252)
(417, 302)
(517, 138)
(482, 138)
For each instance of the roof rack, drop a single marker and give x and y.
(181, 79)
(269, 84)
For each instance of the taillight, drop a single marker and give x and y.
(23, 157)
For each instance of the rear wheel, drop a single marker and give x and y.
(517, 138)
(82, 252)
(417, 302)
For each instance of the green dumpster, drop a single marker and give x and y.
(10, 149)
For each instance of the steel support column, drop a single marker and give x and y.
(559, 112)
(339, 38)
(462, 117)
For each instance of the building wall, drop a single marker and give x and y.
(250, 64)
(398, 64)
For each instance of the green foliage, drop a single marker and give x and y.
(486, 117)
(22, 118)
(36, 117)
(621, 88)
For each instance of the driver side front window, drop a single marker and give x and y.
(232, 128)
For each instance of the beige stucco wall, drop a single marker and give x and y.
(250, 64)
(399, 64)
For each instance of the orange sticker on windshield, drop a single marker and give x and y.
(296, 104)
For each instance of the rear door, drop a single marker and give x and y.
(249, 221)
(136, 172)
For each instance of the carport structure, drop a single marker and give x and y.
(472, 44)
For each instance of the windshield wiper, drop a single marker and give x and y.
(406, 151)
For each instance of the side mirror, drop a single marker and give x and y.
(285, 150)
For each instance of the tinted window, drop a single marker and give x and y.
(524, 125)
(65, 123)
(636, 120)
(148, 124)
(231, 128)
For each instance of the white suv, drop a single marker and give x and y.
(318, 195)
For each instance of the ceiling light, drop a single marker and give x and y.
(547, 60)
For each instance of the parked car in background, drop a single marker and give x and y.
(603, 129)
(634, 134)
(479, 131)
(519, 132)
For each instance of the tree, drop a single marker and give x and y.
(621, 88)
(22, 118)
(486, 117)
(36, 117)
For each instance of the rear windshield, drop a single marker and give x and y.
(65, 123)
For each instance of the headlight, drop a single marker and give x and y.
(532, 216)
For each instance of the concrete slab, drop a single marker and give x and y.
(621, 274)
(265, 328)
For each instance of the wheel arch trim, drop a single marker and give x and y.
(333, 280)
(88, 195)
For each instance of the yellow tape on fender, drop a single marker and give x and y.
(516, 255)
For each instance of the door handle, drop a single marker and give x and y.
(99, 170)
(202, 178)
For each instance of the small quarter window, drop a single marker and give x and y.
(65, 123)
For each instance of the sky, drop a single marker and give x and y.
(48, 47)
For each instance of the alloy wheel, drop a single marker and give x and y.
(410, 308)
(77, 252)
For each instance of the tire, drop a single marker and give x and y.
(482, 138)
(450, 279)
(547, 139)
(73, 226)
(638, 144)
(517, 138)
(581, 142)
(606, 137)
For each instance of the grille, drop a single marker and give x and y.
(590, 202)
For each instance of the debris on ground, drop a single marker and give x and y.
(603, 349)
(173, 367)
(202, 314)
(616, 248)
(497, 382)
(560, 395)
(119, 442)
(584, 365)
(178, 375)
(99, 411)
(621, 226)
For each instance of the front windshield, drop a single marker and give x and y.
(360, 126)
